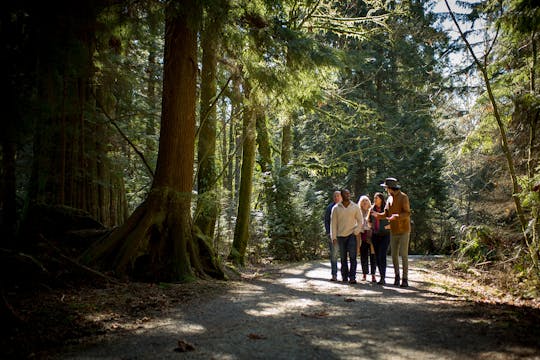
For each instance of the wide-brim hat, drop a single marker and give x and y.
(392, 183)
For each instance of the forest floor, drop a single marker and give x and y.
(288, 311)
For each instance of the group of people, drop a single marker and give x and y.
(368, 229)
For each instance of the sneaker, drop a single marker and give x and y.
(364, 277)
(352, 282)
(404, 283)
(333, 278)
(382, 282)
(344, 280)
(373, 278)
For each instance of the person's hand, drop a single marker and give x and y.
(393, 217)
(334, 241)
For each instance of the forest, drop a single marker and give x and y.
(168, 141)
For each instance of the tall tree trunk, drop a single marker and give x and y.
(243, 219)
(263, 143)
(207, 200)
(157, 243)
(235, 143)
(70, 165)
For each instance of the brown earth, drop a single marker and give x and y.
(287, 312)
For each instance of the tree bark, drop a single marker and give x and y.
(157, 241)
(241, 231)
(207, 199)
(70, 152)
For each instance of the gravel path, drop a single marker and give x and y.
(294, 312)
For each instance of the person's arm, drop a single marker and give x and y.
(405, 212)
(359, 221)
(333, 224)
(327, 214)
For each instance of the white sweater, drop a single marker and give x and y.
(345, 220)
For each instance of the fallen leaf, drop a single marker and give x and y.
(319, 314)
(184, 346)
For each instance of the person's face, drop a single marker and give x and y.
(365, 204)
(346, 195)
(337, 197)
(378, 201)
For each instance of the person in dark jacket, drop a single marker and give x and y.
(380, 235)
(332, 248)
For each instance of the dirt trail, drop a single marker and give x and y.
(294, 312)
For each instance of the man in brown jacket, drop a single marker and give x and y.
(398, 212)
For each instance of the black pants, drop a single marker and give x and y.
(364, 256)
(381, 243)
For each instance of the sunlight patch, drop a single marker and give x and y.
(282, 307)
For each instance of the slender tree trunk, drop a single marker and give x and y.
(207, 200)
(263, 143)
(157, 243)
(533, 120)
(241, 231)
(236, 143)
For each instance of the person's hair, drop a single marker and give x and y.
(363, 198)
(380, 196)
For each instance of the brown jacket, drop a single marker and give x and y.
(399, 204)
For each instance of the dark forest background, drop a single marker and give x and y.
(160, 140)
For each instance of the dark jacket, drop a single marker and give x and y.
(327, 217)
(382, 223)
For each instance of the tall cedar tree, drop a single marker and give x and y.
(157, 243)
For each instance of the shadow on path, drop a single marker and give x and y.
(296, 313)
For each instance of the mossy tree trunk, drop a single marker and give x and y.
(207, 200)
(241, 231)
(157, 242)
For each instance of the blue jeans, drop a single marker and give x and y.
(381, 243)
(347, 244)
(332, 250)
